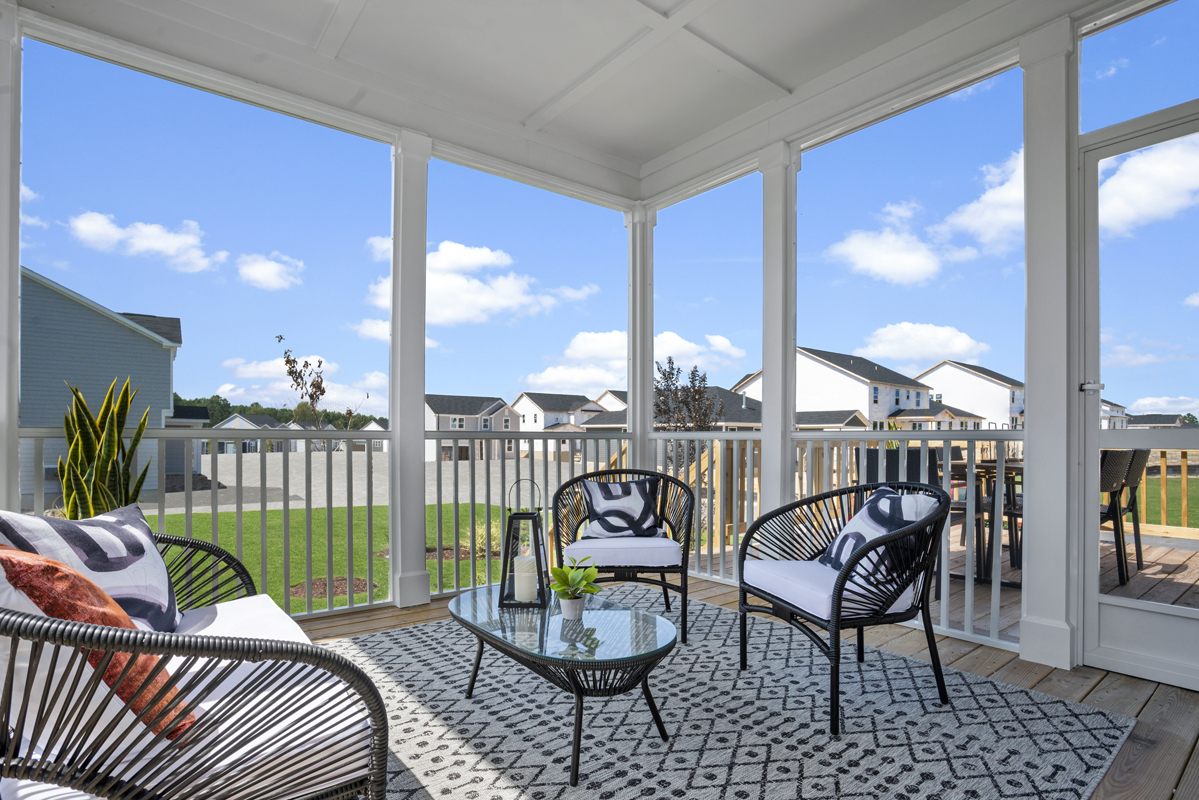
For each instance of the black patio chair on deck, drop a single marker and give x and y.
(778, 563)
(1113, 471)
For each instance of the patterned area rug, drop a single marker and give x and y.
(762, 733)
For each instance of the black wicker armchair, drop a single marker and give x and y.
(274, 718)
(675, 504)
(893, 585)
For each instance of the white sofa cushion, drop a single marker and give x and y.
(808, 585)
(271, 745)
(627, 551)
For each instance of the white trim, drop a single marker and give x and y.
(26, 272)
(10, 253)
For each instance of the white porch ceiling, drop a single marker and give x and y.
(607, 93)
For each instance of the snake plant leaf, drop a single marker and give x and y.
(131, 496)
(106, 407)
(68, 427)
(102, 500)
(82, 499)
(83, 413)
(62, 472)
(123, 405)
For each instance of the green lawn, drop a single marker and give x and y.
(1153, 501)
(331, 552)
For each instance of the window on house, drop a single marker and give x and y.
(1013, 395)
(486, 424)
(939, 425)
(907, 395)
(917, 399)
(534, 418)
(507, 424)
(977, 425)
(896, 397)
(875, 394)
(508, 445)
(522, 417)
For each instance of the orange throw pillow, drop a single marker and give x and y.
(62, 593)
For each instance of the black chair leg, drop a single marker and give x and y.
(834, 689)
(665, 591)
(861, 645)
(1118, 537)
(744, 642)
(933, 655)
(683, 603)
(1136, 534)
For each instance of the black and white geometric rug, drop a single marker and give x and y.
(762, 733)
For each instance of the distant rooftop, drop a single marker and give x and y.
(558, 403)
(168, 328)
(190, 412)
(864, 368)
(461, 405)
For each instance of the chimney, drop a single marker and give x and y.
(743, 401)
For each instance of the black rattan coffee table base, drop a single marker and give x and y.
(596, 679)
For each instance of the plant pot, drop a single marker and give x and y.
(573, 609)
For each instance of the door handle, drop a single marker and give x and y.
(1090, 387)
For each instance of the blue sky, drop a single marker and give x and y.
(152, 197)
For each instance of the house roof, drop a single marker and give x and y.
(263, 420)
(849, 418)
(1135, 420)
(564, 426)
(190, 412)
(744, 379)
(378, 425)
(168, 328)
(461, 405)
(864, 368)
(934, 408)
(558, 403)
(986, 373)
(124, 319)
(622, 396)
(1110, 403)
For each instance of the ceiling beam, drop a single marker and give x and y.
(345, 14)
(659, 28)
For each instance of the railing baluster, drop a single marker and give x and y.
(307, 526)
(439, 584)
(1162, 483)
(370, 523)
(547, 498)
(474, 528)
(287, 527)
(946, 485)
(348, 449)
(503, 495)
(262, 546)
(39, 478)
(162, 484)
(457, 496)
(329, 577)
(997, 539)
(827, 455)
(237, 473)
(213, 486)
(188, 445)
(487, 507)
(972, 558)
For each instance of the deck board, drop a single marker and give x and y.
(1158, 761)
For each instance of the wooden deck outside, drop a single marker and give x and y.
(1158, 762)
(1170, 576)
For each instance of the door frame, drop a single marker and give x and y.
(1120, 634)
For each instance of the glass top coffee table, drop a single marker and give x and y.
(606, 653)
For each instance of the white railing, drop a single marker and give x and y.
(330, 564)
(474, 478)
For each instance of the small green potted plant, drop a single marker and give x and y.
(572, 585)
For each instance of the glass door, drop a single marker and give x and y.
(1141, 442)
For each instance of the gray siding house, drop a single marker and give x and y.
(67, 338)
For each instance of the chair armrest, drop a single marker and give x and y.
(245, 742)
(203, 574)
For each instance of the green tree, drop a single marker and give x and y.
(1190, 419)
(689, 406)
(304, 412)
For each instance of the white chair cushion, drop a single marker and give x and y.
(258, 618)
(808, 585)
(627, 551)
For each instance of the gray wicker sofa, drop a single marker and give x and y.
(275, 716)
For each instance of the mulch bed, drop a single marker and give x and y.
(339, 587)
(447, 553)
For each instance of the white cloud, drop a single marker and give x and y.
(597, 360)
(28, 194)
(921, 341)
(373, 329)
(1125, 355)
(721, 344)
(431, 343)
(271, 273)
(1112, 69)
(455, 298)
(380, 247)
(1192, 300)
(372, 380)
(996, 219)
(1165, 405)
(893, 254)
(1150, 185)
(575, 295)
(26, 219)
(181, 248)
(274, 368)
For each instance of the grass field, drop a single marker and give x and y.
(1153, 501)
(330, 553)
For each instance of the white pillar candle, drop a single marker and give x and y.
(524, 570)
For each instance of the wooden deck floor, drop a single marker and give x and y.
(1158, 762)
(1170, 575)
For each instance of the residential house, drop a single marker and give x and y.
(378, 445)
(67, 338)
(826, 380)
(451, 412)
(1151, 421)
(739, 412)
(937, 416)
(192, 418)
(540, 411)
(997, 397)
(1112, 416)
(261, 422)
(613, 400)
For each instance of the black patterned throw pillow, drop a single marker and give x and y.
(885, 511)
(620, 509)
(115, 550)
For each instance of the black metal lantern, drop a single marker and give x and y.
(523, 561)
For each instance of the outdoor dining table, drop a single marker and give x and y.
(985, 471)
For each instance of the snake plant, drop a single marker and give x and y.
(97, 474)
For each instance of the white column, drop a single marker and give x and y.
(778, 165)
(10, 257)
(640, 221)
(1050, 628)
(409, 579)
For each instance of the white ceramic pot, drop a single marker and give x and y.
(573, 609)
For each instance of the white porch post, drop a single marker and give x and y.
(10, 257)
(409, 579)
(1050, 629)
(641, 221)
(778, 165)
